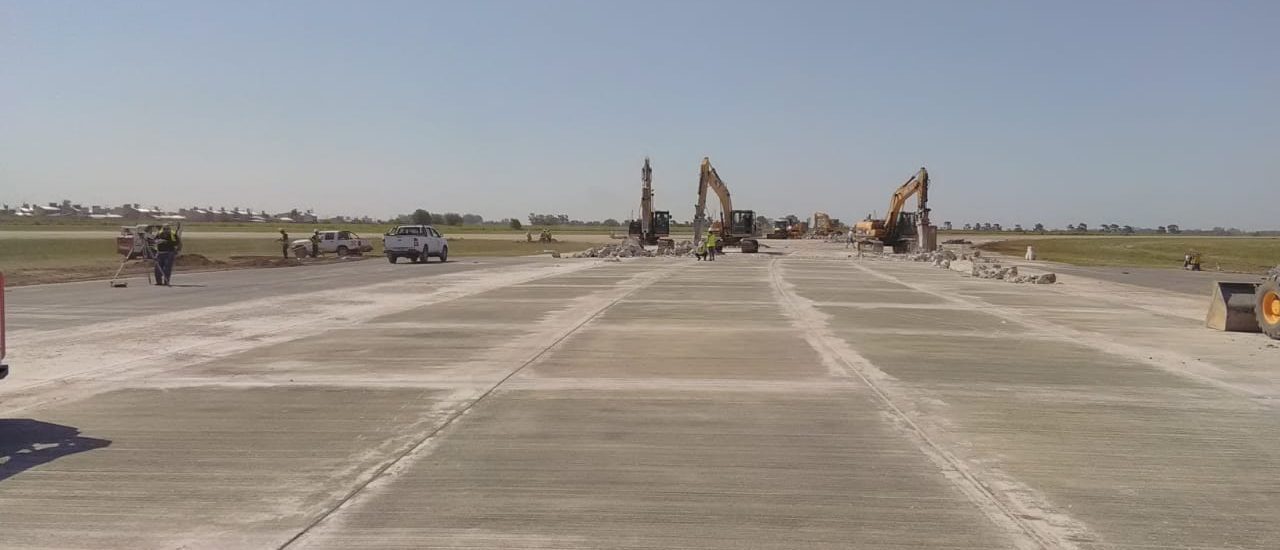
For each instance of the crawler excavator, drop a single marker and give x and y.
(899, 230)
(735, 227)
(654, 226)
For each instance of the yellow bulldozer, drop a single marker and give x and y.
(1247, 306)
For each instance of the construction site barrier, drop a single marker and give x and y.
(4, 369)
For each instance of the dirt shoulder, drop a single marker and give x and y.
(187, 263)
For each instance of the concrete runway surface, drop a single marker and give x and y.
(796, 399)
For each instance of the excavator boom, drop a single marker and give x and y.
(709, 179)
(735, 226)
(887, 231)
(646, 198)
(917, 184)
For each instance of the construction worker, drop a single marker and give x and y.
(167, 245)
(315, 244)
(701, 251)
(712, 241)
(284, 243)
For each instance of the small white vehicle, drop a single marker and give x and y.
(416, 242)
(337, 242)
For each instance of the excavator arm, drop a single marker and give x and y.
(918, 184)
(708, 179)
(646, 198)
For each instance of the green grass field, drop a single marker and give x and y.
(14, 224)
(1243, 254)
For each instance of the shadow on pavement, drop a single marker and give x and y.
(27, 443)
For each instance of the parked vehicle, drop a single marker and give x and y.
(337, 242)
(416, 242)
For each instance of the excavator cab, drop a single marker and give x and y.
(661, 224)
(742, 223)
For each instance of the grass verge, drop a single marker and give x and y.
(1242, 254)
(47, 260)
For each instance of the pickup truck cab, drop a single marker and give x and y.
(336, 242)
(416, 242)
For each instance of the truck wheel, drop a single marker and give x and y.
(342, 251)
(392, 258)
(1267, 308)
(444, 255)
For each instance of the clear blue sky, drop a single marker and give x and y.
(1138, 112)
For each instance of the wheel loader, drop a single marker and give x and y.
(1247, 306)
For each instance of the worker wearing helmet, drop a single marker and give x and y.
(167, 245)
(315, 244)
(284, 243)
(712, 242)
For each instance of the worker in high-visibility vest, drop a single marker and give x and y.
(315, 244)
(167, 246)
(712, 242)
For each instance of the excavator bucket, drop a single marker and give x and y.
(1232, 307)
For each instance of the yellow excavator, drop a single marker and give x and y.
(735, 227)
(902, 231)
(654, 226)
(823, 225)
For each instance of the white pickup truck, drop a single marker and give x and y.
(416, 242)
(334, 242)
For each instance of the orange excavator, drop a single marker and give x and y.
(902, 231)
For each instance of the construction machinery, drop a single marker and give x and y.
(735, 227)
(823, 225)
(654, 226)
(1247, 306)
(4, 368)
(900, 230)
(780, 230)
(798, 230)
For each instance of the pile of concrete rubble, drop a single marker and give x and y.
(980, 269)
(631, 248)
(1010, 274)
(941, 258)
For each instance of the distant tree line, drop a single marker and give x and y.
(422, 216)
(563, 219)
(1108, 229)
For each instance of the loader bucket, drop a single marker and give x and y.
(1232, 307)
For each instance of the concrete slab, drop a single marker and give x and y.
(198, 467)
(643, 470)
(758, 402)
(478, 310)
(680, 354)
